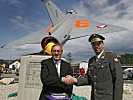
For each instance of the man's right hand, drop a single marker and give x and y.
(69, 80)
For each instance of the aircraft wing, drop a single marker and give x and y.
(84, 26)
(34, 38)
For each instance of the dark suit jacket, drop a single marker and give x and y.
(50, 79)
(105, 76)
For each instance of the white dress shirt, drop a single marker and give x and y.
(98, 56)
(57, 64)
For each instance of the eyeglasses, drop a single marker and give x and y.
(54, 51)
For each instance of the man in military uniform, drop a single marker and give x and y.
(104, 73)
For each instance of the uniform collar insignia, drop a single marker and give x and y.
(102, 56)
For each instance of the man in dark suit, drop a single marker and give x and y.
(104, 73)
(53, 72)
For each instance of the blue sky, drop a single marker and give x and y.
(22, 17)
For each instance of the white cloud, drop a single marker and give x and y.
(14, 1)
(20, 18)
(102, 3)
(17, 52)
(117, 14)
(17, 3)
(24, 23)
(19, 21)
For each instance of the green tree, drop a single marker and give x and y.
(126, 59)
(69, 57)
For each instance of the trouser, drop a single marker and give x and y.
(43, 97)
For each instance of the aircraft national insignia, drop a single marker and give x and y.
(102, 26)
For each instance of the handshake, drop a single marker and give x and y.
(68, 80)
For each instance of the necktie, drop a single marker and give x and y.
(56, 64)
(96, 58)
(58, 68)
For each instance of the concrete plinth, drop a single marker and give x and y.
(29, 80)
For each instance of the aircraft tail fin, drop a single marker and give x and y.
(55, 14)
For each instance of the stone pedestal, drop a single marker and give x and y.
(29, 80)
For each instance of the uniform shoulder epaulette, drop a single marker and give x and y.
(109, 51)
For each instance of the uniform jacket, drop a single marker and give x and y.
(105, 76)
(50, 79)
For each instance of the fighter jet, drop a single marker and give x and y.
(64, 27)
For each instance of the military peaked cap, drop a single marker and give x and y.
(96, 38)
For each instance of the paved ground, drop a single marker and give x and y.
(5, 90)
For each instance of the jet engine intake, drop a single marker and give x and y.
(47, 44)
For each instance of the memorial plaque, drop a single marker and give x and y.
(30, 84)
(33, 75)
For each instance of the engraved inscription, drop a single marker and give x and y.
(33, 75)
